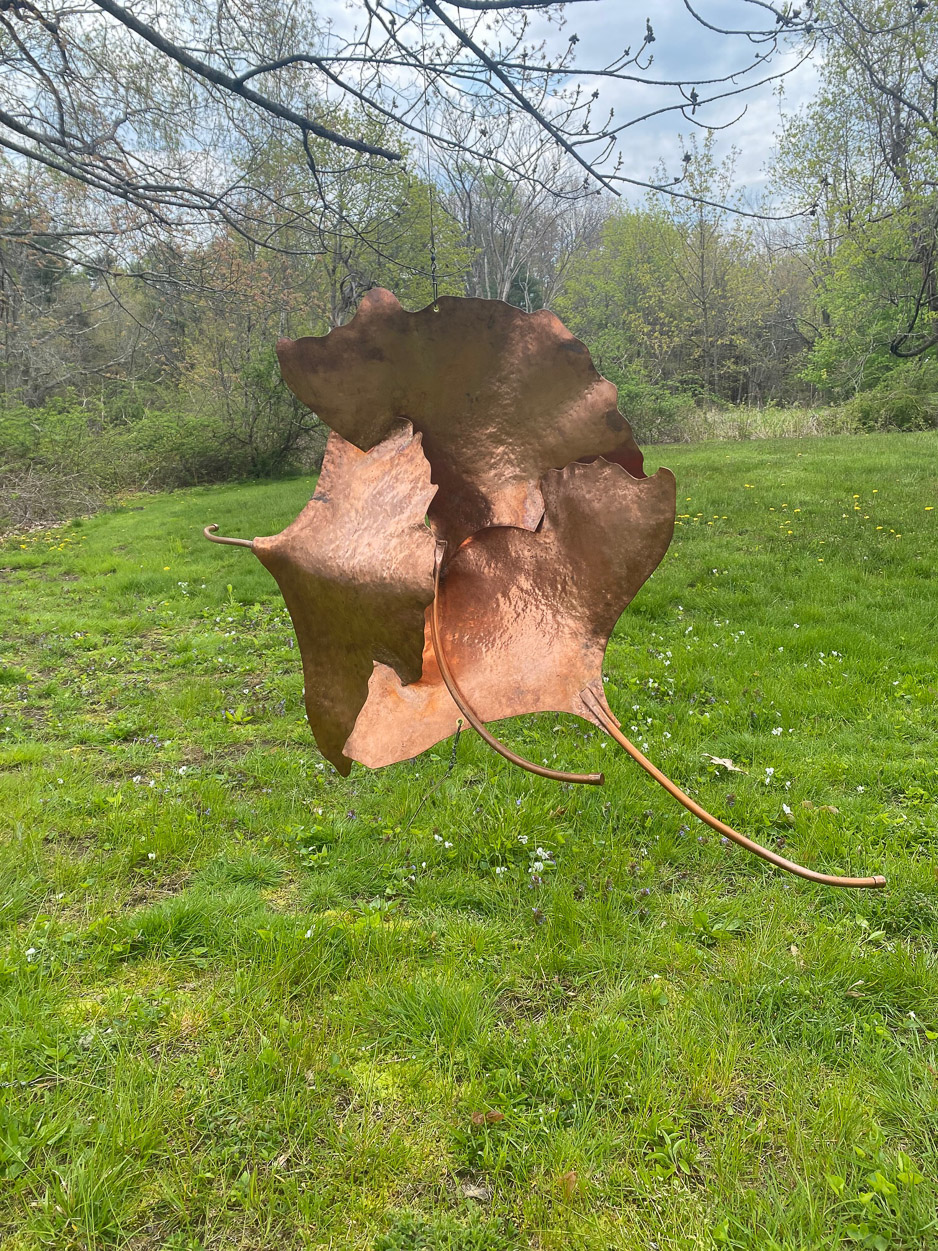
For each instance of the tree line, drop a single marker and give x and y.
(144, 357)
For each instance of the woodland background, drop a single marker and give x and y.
(142, 358)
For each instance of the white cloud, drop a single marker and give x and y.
(684, 50)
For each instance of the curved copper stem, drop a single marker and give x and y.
(589, 779)
(826, 879)
(210, 534)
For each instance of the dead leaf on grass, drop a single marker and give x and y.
(472, 1190)
(487, 1118)
(725, 763)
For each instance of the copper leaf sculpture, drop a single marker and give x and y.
(481, 521)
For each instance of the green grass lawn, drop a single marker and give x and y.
(249, 1004)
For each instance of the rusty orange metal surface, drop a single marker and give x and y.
(501, 396)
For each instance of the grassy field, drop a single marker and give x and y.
(249, 1004)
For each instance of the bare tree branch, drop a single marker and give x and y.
(237, 86)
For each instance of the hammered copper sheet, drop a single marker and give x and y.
(356, 572)
(526, 616)
(501, 396)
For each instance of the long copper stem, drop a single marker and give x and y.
(826, 879)
(590, 779)
(210, 534)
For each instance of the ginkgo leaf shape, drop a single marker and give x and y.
(356, 572)
(500, 396)
(525, 616)
(542, 559)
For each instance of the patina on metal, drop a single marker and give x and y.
(481, 521)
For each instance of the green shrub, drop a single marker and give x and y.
(66, 456)
(657, 413)
(906, 399)
(169, 448)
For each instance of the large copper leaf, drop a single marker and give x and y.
(356, 572)
(500, 396)
(526, 616)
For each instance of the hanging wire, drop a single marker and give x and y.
(439, 782)
(426, 148)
